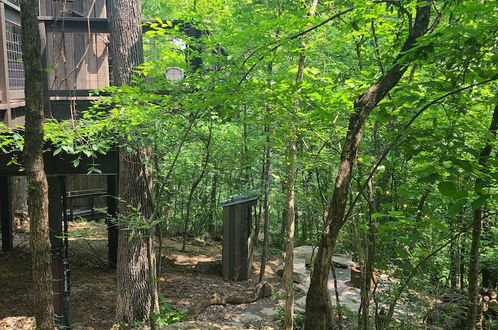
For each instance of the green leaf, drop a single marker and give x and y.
(459, 195)
(447, 188)
(57, 151)
(437, 224)
(429, 178)
(377, 215)
(479, 202)
(457, 207)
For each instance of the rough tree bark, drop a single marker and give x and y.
(136, 288)
(35, 171)
(473, 293)
(318, 314)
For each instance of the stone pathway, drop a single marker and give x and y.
(265, 310)
(349, 296)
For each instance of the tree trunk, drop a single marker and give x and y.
(134, 276)
(266, 203)
(473, 293)
(289, 237)
(193, 187)
(453, 265)
(212, 203)
(246, 163)
(35, 171)
(462, 264)
(136, 288)
(367, 268)
(318, 314)
(290, 210)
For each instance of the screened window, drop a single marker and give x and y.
(14, 56)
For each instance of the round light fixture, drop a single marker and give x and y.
(174, 74)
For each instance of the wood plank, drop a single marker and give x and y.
(102, 54)
(225, 247)
(237, 241)
(231, 246)
(243, 242)
(80, 60)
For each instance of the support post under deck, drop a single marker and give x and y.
(6, 214)
(56, 189)
(112, 225)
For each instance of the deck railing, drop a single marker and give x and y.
(14, 60)
(15, 2)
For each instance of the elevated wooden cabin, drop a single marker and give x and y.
(74, 52)
(74, 37)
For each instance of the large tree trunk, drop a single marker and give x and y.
(136, 297)
(35, 172)
(318, 314)
(476, 233)
(134, 283)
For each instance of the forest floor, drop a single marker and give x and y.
(93, 284)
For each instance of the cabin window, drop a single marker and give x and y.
(14, 56)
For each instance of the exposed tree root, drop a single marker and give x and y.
(262, 290)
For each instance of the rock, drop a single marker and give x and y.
(300, 303)
(304, 252)
(268, 289)
(191, 325)
(300, 288)
(299, 275)
(300, 278)
(249, 317)
(343, 260)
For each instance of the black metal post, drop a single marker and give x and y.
(55, 213)
(6, 214)
(112, 225)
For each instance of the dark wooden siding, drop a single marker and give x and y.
(237, 241)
